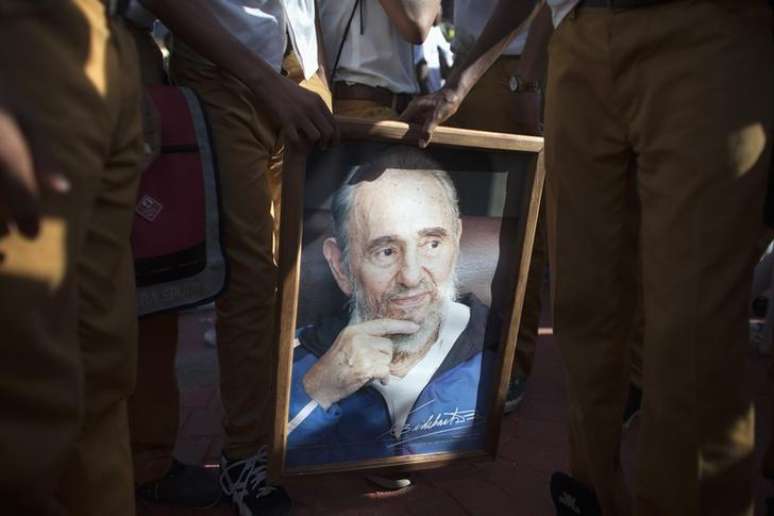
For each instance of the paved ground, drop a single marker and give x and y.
(533, 445)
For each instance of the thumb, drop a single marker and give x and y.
(426, 134)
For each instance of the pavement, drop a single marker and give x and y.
(533, 445)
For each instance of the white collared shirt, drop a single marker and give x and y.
(400, 394)
(374, 53)
(263, 26)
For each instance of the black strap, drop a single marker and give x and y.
(343, 40)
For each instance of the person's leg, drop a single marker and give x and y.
(154, 407)
(702, 161)
(492, 106)
(72, 46)
(634, 342)
(98, 479)
(244, 141)
(155, 404)
(587, 162)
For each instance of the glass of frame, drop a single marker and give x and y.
(402, 278)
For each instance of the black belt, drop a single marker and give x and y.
(621, 4)
(383, 96)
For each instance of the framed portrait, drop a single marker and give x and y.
(402, 279)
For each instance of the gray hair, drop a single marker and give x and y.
(397, 159)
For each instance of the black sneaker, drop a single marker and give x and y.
(183, 484)
(244, 481)
(515, 394)
(571, 498)
(633, 405)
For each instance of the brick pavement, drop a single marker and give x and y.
(533, 445)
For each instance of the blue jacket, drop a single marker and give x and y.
(449, 415)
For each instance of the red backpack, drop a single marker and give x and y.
(176, 237)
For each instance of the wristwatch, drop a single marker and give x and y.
(519, 85)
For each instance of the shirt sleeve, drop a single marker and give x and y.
(308, 422)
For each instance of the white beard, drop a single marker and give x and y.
(413, 343)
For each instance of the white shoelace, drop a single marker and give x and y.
(251, 478)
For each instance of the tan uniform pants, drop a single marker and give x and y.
(683, 91)
(492, 106)
(67, 305)
(249, 160)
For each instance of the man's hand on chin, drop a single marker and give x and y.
(361, 353)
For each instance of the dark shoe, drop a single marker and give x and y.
(633, 405)
(571, 498)
(515, 394)
(183, 484)
(245, 482)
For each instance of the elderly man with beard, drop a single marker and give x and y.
(401, 372)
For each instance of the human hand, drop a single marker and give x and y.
(23, 174)
(360, 353)
(300, 115)
(430, 111)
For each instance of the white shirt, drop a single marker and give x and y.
(263, 25)
(433, 50)
(374, 52)
(560, 9)
(400, 394)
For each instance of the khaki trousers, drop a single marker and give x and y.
(67, 305)
(682, 91)
(492, 106)
(249, 164)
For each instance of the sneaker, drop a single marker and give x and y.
(390, 483)
(183, 484)
(571, 498)
(244, 482)
(633, 405)
(515, 394)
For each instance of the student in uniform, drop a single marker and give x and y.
(507, 99)
(257, 66)
(370, 50)
(669, 102)
(70, 87)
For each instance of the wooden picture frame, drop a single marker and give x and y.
(515, 244)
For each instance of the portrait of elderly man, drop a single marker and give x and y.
(404, 368)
